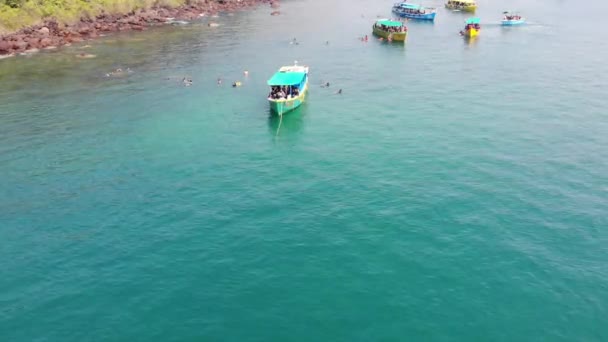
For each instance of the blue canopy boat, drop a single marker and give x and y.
(413, 11)
(512, 19)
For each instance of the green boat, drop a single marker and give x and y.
(288, 88)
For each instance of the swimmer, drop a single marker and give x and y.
(327, 42)
(246, 73)
(219, 81)
(325, 85)
(339, 92)
(365, 39)
(236, 84)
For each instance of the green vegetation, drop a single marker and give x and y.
(16, 14)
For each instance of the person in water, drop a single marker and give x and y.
(339, 91)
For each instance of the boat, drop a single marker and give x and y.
(471, 28)
(461, 5)
(512, 19)
(413, 11)
(288, 88)
(390, 29)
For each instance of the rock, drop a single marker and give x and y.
(44, 31)
(84, 30)
(18, 37)
(19, 45)
(5, 47)
(45, 42)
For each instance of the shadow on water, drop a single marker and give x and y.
(288, 125)
(470, 41)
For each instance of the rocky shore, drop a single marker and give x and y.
(52, 34)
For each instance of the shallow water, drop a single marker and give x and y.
(456, 190)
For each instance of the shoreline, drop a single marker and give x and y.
(51, 34)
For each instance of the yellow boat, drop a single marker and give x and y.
(462, 5)
(471, 28)
(390, 30)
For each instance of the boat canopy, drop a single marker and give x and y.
(389, 23)
(286, 78)
(472, 21)
(409, 6)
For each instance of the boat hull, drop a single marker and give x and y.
(471, 33)
(426, 16)
(513, 22)
(282, 106)
(395, 36)
(469, 8)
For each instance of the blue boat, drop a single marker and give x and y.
(510, 19)
(413, 11)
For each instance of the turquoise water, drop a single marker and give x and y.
(455, 190)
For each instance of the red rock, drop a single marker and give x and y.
(44, 42)
(19, 45)
(5, 47)
(137, 28)
(44, 31)
(33, 43)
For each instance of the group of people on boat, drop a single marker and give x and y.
(283, 92)
(409, 10)
(512, 17)
(391, 29)
(472, 26)
(458, 4)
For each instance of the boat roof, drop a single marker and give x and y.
(472, 21)
(409, 6)
(390, 23)
(283, 78)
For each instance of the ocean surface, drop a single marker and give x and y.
(456, 191)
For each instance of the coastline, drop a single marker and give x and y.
(53, 34)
